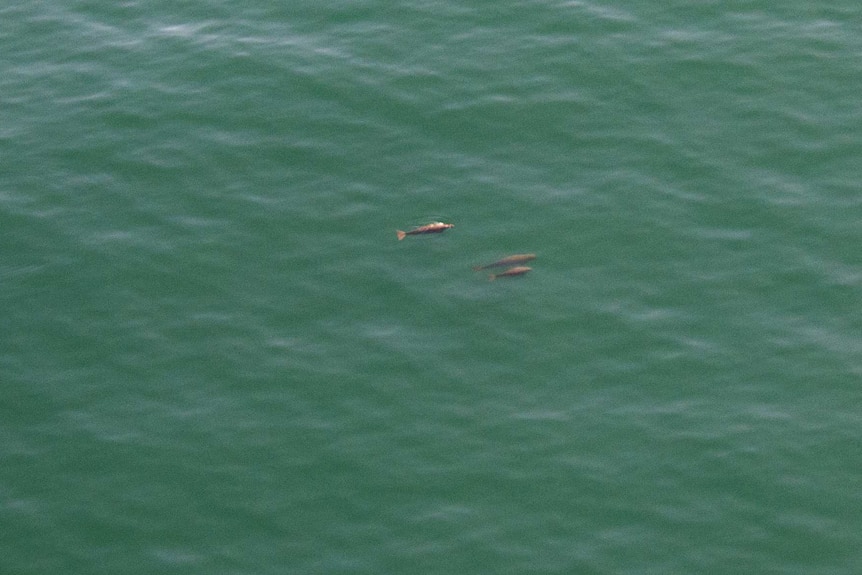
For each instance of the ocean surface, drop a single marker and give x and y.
(217, 358)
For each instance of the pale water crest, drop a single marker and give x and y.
(216, 356)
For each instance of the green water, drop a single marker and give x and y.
(216, 357)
